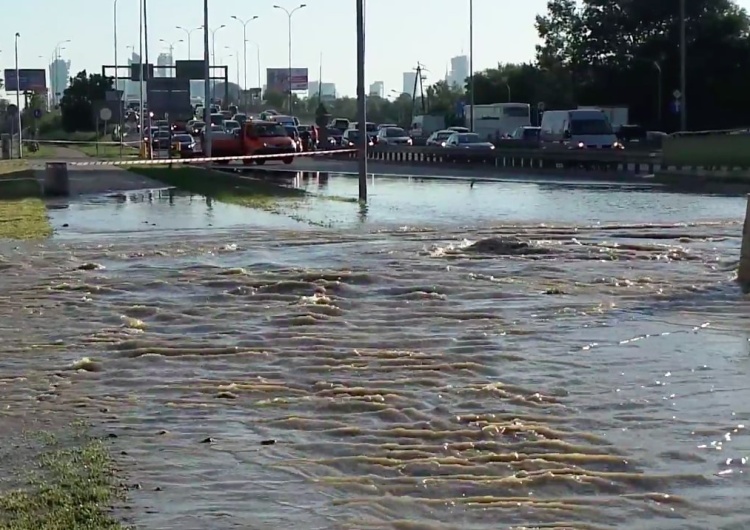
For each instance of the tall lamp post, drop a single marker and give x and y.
(170, 45)
(18, 101)
(189, 33)
(289, 73)
(244, 46)
(471, 65)
(206, 84)
(213, 53)
(236, 56)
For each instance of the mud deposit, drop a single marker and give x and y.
(509, 377)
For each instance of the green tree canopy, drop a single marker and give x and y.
(76, 105)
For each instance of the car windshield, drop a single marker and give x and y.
(199, 125)
(217, 119)
(183, 138)
(291, 130)
(443, 135)
(333, 132)
(469, 138)
(590, 126)
(352, 134)
(268, 130)
(371, 127)
(231, 124)
(395, 132)
(163, 134)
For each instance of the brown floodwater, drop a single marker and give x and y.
(515, 375)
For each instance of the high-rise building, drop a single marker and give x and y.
(164, 59)
(326, 90)
(377, 89)
(459, 71)
(59, 75)
(410, 79)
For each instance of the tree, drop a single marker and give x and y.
(77, 103)
(275, 99)
(627, 53)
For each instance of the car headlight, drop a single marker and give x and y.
(618, 145)
(492, 147)
(442, 144)
(409, 142)
(581, 145)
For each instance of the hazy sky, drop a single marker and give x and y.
(399, 33)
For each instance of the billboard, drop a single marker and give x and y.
(135, 71)
(277, 79)
(167, 95)
(189, 69)
(34, 80)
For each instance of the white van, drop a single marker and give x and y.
(578, 129)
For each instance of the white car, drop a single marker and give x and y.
(393, 136)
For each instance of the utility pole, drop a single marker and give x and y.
(244, 47)
(361, 103)
(207, 84)
(289, 72)
(471, 65)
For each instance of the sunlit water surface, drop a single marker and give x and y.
(404, 367)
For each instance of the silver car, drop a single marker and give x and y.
(393, 136)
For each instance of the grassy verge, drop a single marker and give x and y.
(106, 151)
(44, 151)
(69, 488)
(22, 212)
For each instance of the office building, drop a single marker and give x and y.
(59, 76)
(377, 89)
(410, 79)
(327, 90)
(164, 59)
(459, 71)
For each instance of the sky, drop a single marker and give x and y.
(400, 33)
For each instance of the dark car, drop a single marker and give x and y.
(334, 136)
(162, 140)
(185, 144)
(527, 133)
(197, 127)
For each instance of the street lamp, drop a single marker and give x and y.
(213, 52)
(471, 65)
(170, 45)
(289, 73)
(244, 42)
(236, 56)
(18, 101)
(189, 32)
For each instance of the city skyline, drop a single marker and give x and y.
(387, 57)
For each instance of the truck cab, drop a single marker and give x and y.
(578, 129)
(256, 138)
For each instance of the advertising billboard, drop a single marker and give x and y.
(277, 79)
(32, 80)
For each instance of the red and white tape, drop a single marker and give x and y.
(203, 160)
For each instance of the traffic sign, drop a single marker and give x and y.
(37, 113)
(676, 106)
(540, 106)
(12, 109)
(677, 94)
(105, 114)
(459, 109)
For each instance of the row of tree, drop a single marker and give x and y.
(591, 52)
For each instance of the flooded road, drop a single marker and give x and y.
(530, 357)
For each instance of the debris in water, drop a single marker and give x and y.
(267, 442)
(90, 267)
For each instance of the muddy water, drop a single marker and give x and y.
(418, 378)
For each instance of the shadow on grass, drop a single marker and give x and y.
(72, 485)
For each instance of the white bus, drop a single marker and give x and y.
(498, 119)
